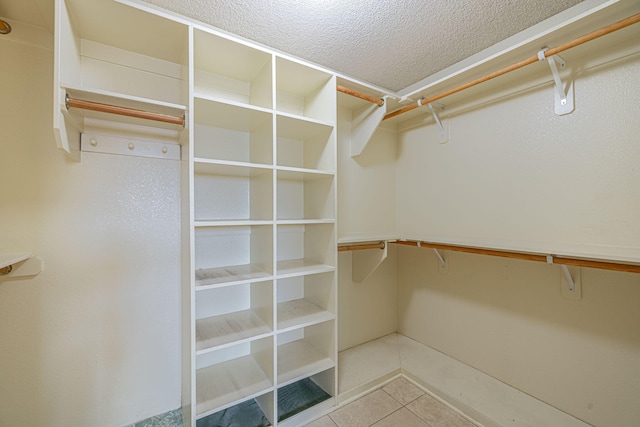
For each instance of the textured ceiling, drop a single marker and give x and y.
(390, 44)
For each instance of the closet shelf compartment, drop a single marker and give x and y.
(229, 131)
(305, 195)
(229, 328)
(300, 313)
(232, 70)
(305, 91)
(300, 359)
(230, 191)
(230, 275)
(228, 383)
(307, 145)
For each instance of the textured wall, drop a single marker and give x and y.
(366, 191)
(94, 339)
(514, 173)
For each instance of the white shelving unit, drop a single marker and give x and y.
(258, 190)
(263, 249)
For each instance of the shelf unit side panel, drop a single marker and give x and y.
(321, 104)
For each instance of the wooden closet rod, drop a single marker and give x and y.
(123, 111)
(603, 265)
(361, 247)
(378, 101)
(549, 52)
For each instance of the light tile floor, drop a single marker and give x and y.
(398, 404)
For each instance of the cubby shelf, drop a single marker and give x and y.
(228, 383)
(300, 313)
(228, 328)
(231, 70)
(300, 359)
(230, 275)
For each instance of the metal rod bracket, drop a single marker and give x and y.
(564, 98)
(443, 263)
(444, 136)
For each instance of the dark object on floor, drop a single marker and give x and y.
(297, 397)
(245, 414)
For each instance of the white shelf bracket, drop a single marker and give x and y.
(443, 263)
(365, 263)
(444, 135)
(570, 280)
(364, 125)
(564, 98)
(19, 266)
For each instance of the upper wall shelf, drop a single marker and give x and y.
(95, 63)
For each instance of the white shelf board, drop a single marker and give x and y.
(231, 223)
(233, 327)
(301, 267)
(230, 275)
(305, 221)
(228, 383)
(221, 113)
(361, 238)
(300, 313)
(295, 126)
(13, 258)
(299, 359)
(302, 174)
(229, 168)
(127, 101)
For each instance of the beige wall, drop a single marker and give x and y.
(366, 184)
(366, 197)
(508, 319)
(516, 175)
(94, 339)
(366, 310)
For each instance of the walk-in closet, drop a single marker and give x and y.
(207, 225)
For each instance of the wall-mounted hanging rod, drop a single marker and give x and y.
(123, 111)
(547, 53)
(360, 247)
(378, 101)
(576, 262)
